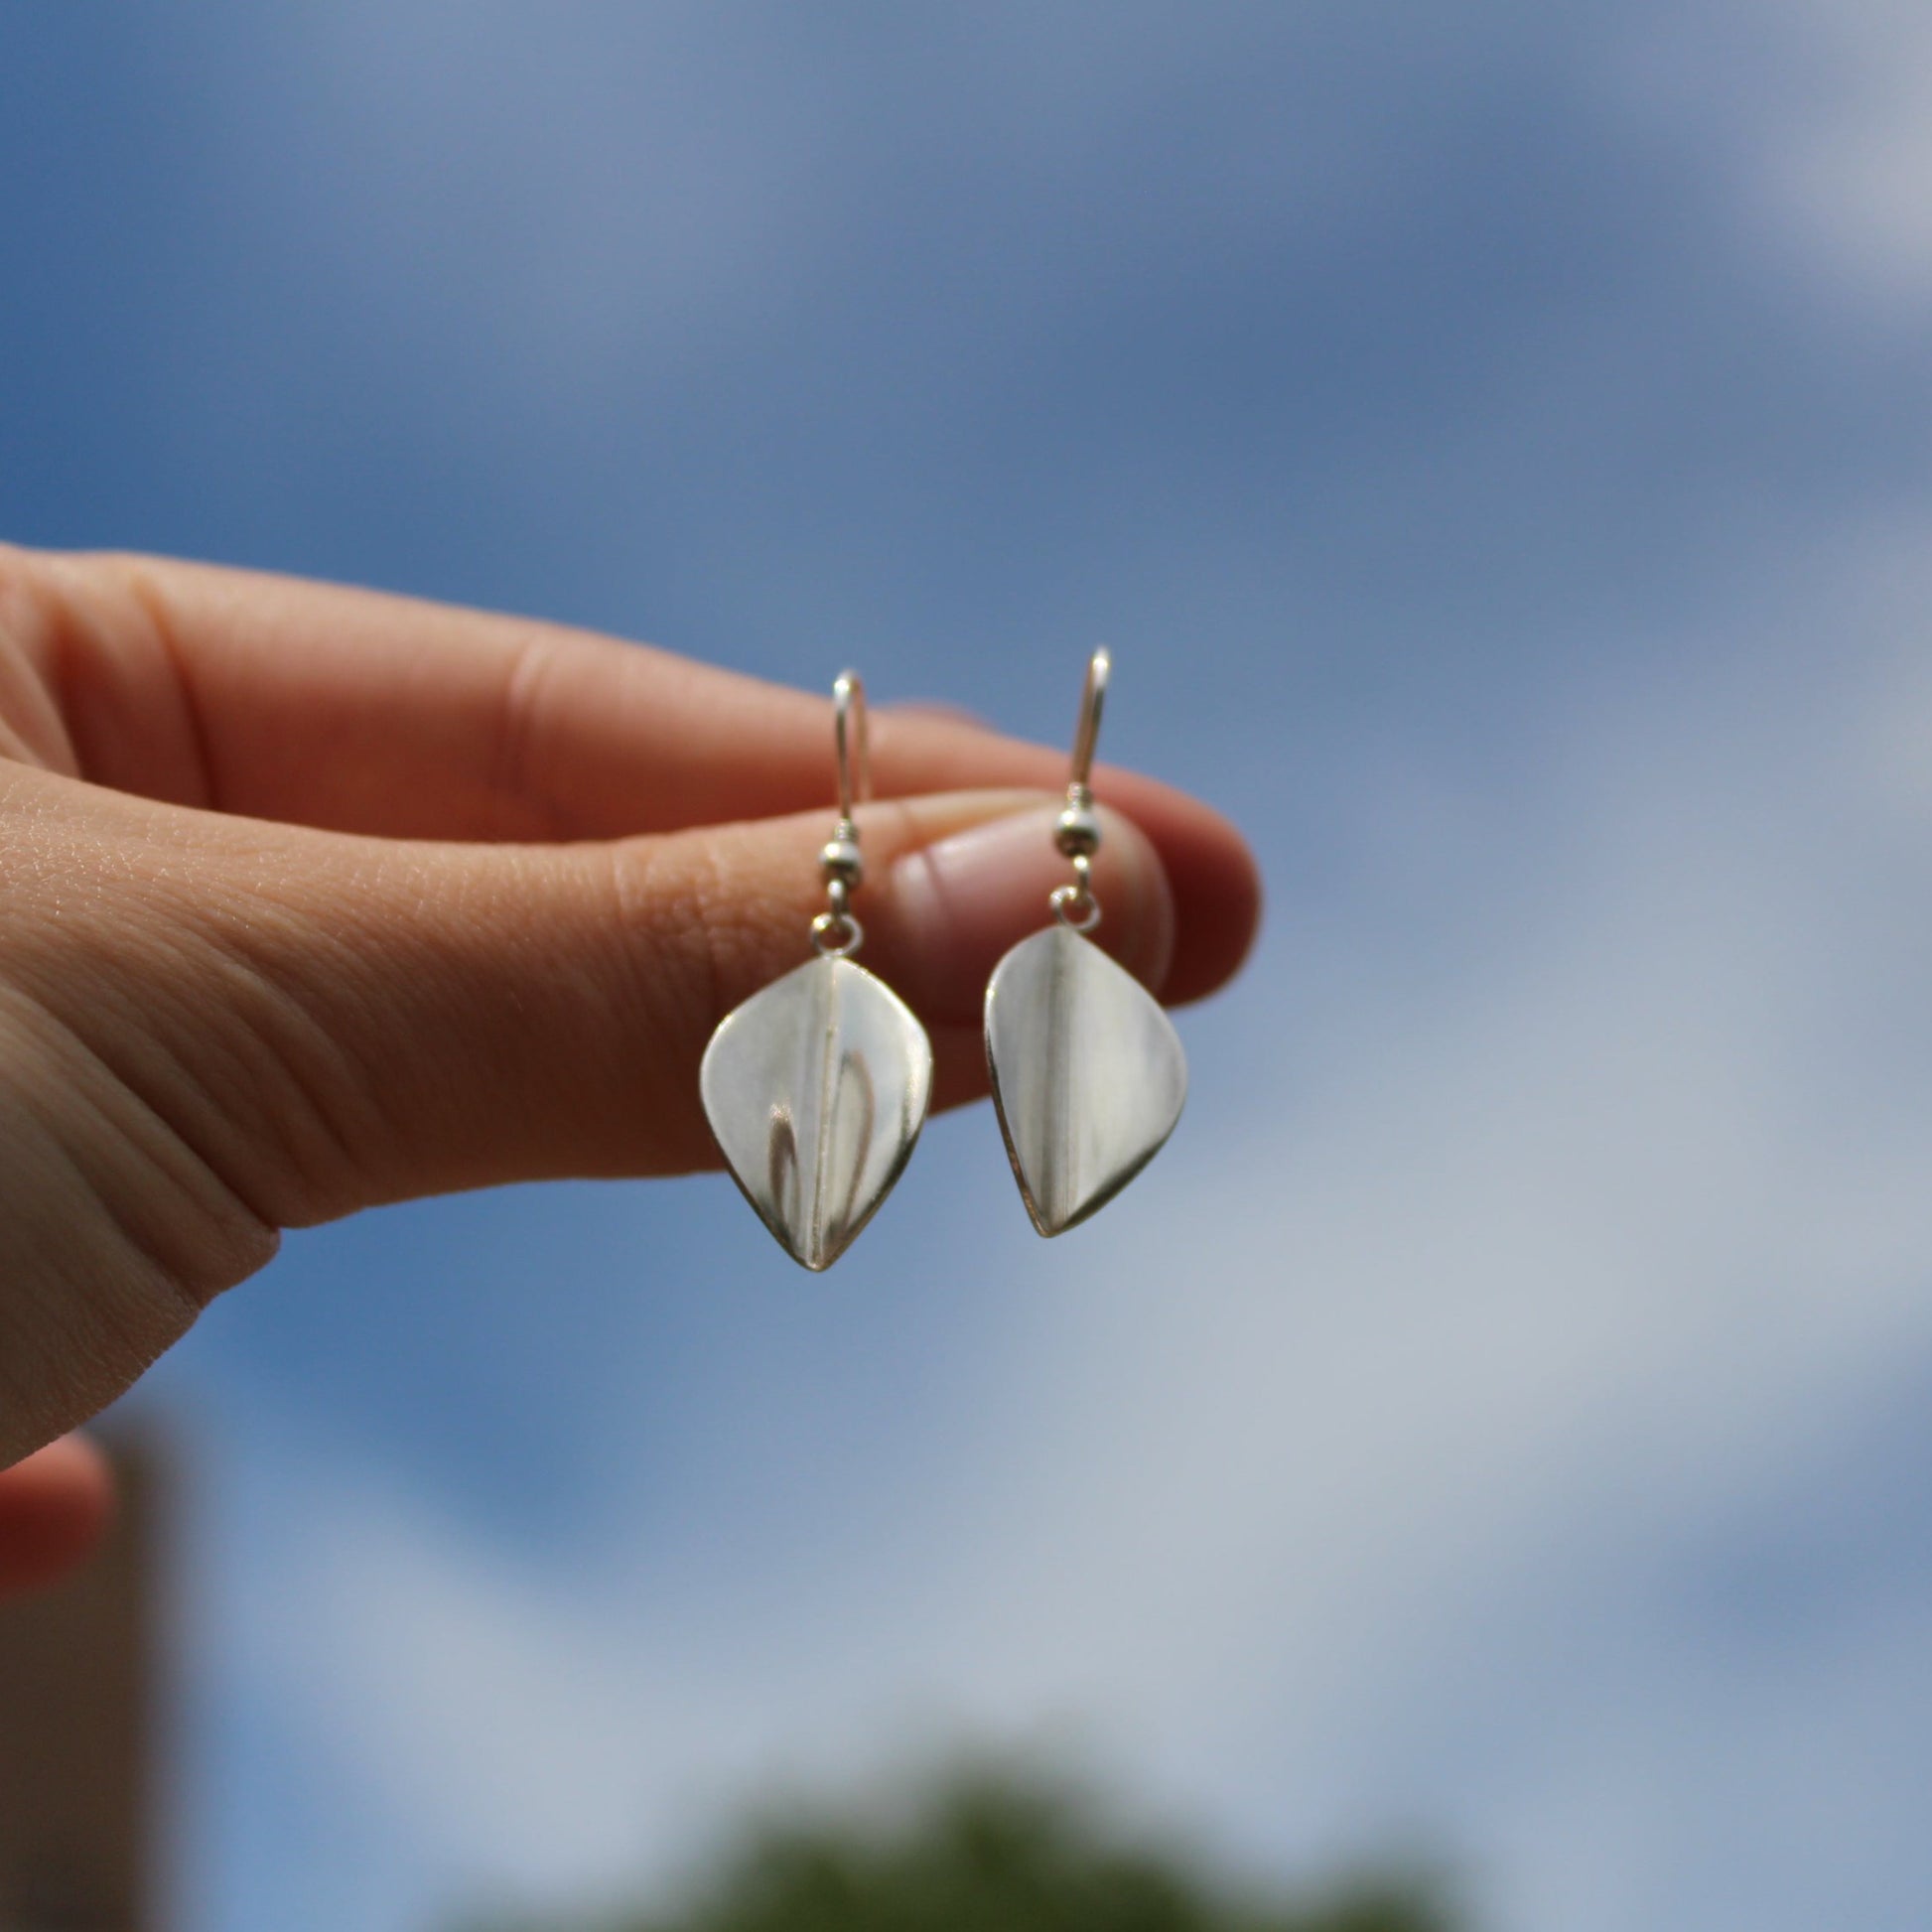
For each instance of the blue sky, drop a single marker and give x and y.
(1494, 442)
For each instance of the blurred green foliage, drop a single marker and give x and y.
(993, 1853)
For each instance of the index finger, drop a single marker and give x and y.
(358, 711)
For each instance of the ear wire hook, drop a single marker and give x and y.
(1086, 733)
(835, 932)
(1077, 829)
(849, 731)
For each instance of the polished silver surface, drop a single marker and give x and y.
(1078, 833)
(835, 932)
(1086, 728)
(816, 1089)
(851, 742)
(1089, 1074)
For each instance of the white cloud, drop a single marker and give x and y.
(608, 203)
(1358, 1488)
(1360, 1491)
(1823, 111)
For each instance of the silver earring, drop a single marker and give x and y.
(816, 1088)
(1089, 1076)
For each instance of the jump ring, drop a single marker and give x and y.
(1075, 907)
(850, 935)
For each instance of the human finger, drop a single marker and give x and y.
(324, 1021)
(351, 710)
(54, 1508)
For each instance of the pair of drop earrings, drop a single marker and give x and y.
(816, 1088)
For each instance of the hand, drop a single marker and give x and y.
(315, 899)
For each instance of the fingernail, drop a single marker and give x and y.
(963, 901)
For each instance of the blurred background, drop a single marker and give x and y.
(1494, 440)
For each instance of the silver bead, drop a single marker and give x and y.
(1077, 832)
(841, 859)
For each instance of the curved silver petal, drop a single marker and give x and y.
(1089, 1074)
(816, 1089)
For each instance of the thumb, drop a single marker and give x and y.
(214, 1028)
(459, 1016)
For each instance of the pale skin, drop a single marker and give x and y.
(316, 898)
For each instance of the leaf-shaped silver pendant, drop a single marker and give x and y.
(1089, 1074)
(816, 1089)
